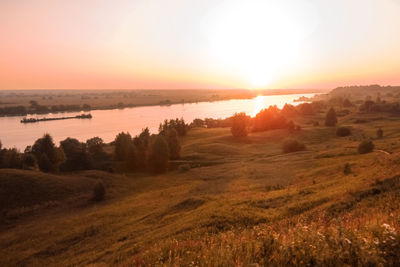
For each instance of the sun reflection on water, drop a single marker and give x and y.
(258, 105)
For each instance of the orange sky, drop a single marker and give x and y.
(144, 44)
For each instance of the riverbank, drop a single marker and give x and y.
(29, 102)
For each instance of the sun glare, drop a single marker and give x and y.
(255, 39)
(258, 105)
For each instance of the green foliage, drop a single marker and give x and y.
(331, 118)
(95, 145)
(173, 144)
(77, 157)
(239, 125)
(123, 146)
(343, 131)
(10, 158)
(292, 145)
(29, 161)
(45, 164)
(269, 119)
(142, 142)
(365, 146)
(159, 155)
(178, 124)
(99, 192)
(53, 156)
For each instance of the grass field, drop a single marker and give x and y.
(243, 203)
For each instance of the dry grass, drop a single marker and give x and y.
(256, 205)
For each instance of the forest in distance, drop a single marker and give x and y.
(24, 102)
(270, 189)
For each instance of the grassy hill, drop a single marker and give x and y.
(242, 202)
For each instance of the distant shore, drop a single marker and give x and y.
(30, 102)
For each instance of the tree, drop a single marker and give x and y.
(54, 156)
(141, 143)
(239, 125)
(331, 118)
(292, 145)
(45, 164)
(29, 161)
(159, 155)
(123, 143)
(10, 158)
(291, 126)
(173, 144)
(95, 145)
(365, 146)
(347, 103)
(343, 131)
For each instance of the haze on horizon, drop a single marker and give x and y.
(175, 44)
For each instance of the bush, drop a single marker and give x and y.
(343, 131)
(379, 133)
(331, 119)
(365, 147)
(290, 146)
(347, 169)
(99, 192)
(239, 125)
(184, 167)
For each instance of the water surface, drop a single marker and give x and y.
(108, 123)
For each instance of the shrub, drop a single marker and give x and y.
(379, 133)
(365, 147)
(331, 119)
(347, 169)
(239, 125)
(184, 167)
(99, 192)
(292, 146)
(343, 131)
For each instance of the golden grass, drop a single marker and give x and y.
(256, 205)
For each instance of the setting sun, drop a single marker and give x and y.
(257, 39)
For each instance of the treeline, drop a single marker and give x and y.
(267, 119)
(369, 106)
(36, 108)
(144, 152)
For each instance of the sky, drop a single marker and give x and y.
(185, 44)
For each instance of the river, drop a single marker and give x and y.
(108, 123)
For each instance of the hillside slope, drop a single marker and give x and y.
(254, 204)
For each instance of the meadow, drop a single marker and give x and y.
(242, 202)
